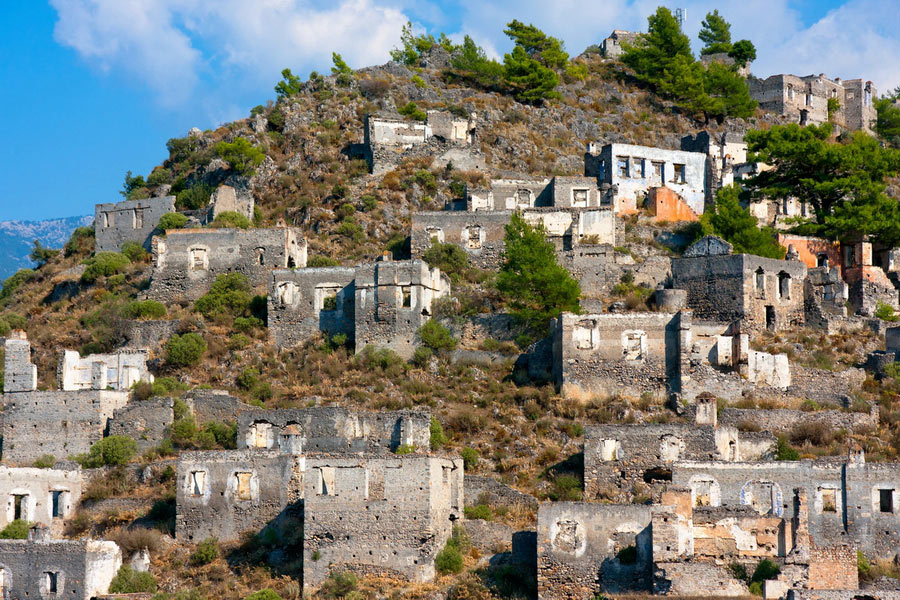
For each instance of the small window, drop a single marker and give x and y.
(808, 99)
(243, 486)
(326, 482)
(850, 95)
(198, 483)
(640, 167)
(659, 171)
(822, 260)
(523, 198)
(20, 503)
(435, 234)
(56, 504)
(790, 92)
(473, 237)
(580, 198)
(105, 219)
(199, 259)
(260, 256)
(138, 218)
(286, 293)
(622, 165)
(329, 302)
(886, 501)
(634, 345)
(760, 280)
(407, 296)
(828, 501)
(680, 174)
(50, 581)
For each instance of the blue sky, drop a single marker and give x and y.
(93, 88)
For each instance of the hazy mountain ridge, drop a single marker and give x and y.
(17, 237)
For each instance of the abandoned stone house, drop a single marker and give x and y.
(40, 567)
(630, 172)
(61, 423)
(333, 429)
(616, 457)
(804, 100)
(129, 221)
(388, 139)
(370, 513)
(383, 303)
(117, 371)
(611, 47)
(726, 158)
(572, 210)
(187, 261)
(46, 496)
(679, 548)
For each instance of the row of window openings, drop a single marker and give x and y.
(20, 505)
(637, 169)
(831, 94)
(829, 500)
(137, 218)
(199, 259)
(784, 284)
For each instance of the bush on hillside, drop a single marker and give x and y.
(171, 221)
(241, 155)
(185, 350)
(80, 242)
(104, 264)
(436, 337)
(15, 530)
(231, 219)
(135, 252)
(112, 450)
(449, 258)
(144, 310)
(230, 295)
(129, 581)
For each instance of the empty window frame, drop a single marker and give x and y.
(659, 171)
(622, 166)
(198, 483)
(680, 173)
(138, 219)
(829, 500)
(327, 482)
(640, 168)
(20, 506)
(784, 286)
(580, 198)
(406, 292)
(51, 582)
(472, 237)
(242, 482)
(57, 505)
(760, 280)
(886, 500)
(199, 259)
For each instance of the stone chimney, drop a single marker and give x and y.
(706, 410)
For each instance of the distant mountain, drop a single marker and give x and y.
(17, 237)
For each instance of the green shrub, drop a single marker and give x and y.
(264, 594)
(41, 255)
(340, 584)
(369, 202)
(322, 261)
(449, 258)
(405, 449)
(185, 350)
(129, 581)
(784, 450)
(566, 487)
(206, 552)
(159, 176)
(15, 530)
(104, 264)
(351, 229)
(479, 511)
(44, 461)
(766, 569)
(248, 378)
(413, 112)
(17, 279)
(338, 340)
(436, 337)
(470, 458)
(15, 321)
(247, 324)
(4, 328)
(80, 242)
(231, 219)
(756, 588)
(192, 198)
(241, 155)
(377, 358)
(449, 560)
(627, 555)
(421, 356)
(171, 221)
(885, 312)
(112, 450)
(135, 252)
(144, 309)
(863, 566)
(438, 438)
(418, 81)
(230, 294)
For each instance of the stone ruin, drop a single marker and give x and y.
(382, 304)
(117, 371)
(186, 262)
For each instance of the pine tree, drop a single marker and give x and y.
(715, 32)
(743, 52)
(734, 223)
(653, 55)
(536, 287)
(531, 81)
(547, 50)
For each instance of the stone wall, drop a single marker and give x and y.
(480, 234)
(187, 261)
(225, 493)
(579, 545)
(19, 373)
(149, 334)
(487, 489)
(65, 569)
(214, 405)
(144, 421)
(334, 429)
(304, 302)
(609, 353)
(129, 221)
(47, 496)
(390, 139)
(118, 371)
(782, 420)
(378, 514)
(833, 567)
(59, 423)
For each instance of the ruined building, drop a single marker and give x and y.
(370, 511)
(187, 261)
(129, 221)
(118, 371)
(46, 496)
(389, 139)
(611, 47)
(804, 100)
(61, 423)
(40, 567)
(572, 210)
(382, 304)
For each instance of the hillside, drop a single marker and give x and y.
(508, 426)
(17, 238)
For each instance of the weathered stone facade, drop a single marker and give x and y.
(611, 47)
(147, 422)
(119, 371)
(46, 496)
(381, 304)
(187, 261)
(129, 221)
(804, 100)
(19, 373)
(631, 171)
